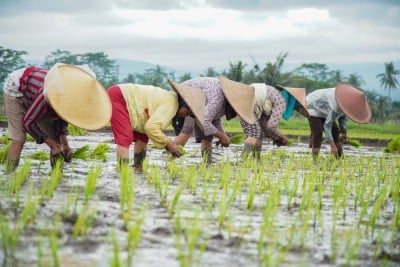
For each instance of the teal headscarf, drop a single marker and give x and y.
(291, 103)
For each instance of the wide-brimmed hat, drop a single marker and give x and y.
(77, 97)
(300, 95)
(353, 103)
(194, 98)
(241, 97)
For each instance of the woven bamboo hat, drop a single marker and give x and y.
(300, 95)
(241, 97)
(353, 103)
(194, 98)
(77, 97)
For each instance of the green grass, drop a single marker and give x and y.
(300, 127)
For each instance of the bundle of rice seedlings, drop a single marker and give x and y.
(354, 142)
(182, 150)
(39, 155)
(237, 139)
(81, 153)
(99, 152)
(73, 130)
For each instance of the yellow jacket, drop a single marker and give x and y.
(151, 110)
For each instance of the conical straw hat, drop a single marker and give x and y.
(77, 97)
(194, 98)
(241, 97)
(300, 95)
(353, 103)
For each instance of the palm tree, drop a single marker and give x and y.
(236, 71)
(388, 79)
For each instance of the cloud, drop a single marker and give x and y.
(197, 34)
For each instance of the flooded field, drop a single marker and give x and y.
(286, 210)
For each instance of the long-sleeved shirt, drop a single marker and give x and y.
(322, 103)
(269, 101)
(31, 88)
(215, 103)
(151, 110)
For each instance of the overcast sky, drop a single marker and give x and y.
(196, 34)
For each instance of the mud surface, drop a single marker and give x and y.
(274, 229)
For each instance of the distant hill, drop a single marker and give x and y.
(367, 71)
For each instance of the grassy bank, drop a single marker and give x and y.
(300, 127)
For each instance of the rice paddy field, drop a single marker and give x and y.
(285, 210)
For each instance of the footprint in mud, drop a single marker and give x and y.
(86, 245)
(162, 231)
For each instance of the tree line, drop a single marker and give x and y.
(310, 76)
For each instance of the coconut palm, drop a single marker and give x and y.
(388, 79)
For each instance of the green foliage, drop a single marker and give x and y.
(237, 139)
(39, 155)
(106, 69)
(81, 153)
(4, 139)
(354, 143)
(4, 152)
(74, 130)
(393, 146)
(10, 60)
(100, 151)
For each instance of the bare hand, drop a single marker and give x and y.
(173, 149)
(224, 140)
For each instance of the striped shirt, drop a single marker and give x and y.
(31, 86)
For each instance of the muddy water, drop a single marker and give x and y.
(236, 243)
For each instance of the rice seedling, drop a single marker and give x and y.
(39, 253)
(81, 153)
(380, 201)
(4, 152)
(352, 242)
(20, 178)
(127, 193)
(84, 221)
(188, 240)
(164, 191)
(100, 152)
(191, 178)
(175, 200)
(72, 202)
(252, 189)
(54, 248)
(91, 181)
(28, 213)
(115, 260)
(135, 234)
(55, 178)
(9, 239)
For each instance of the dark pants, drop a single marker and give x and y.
(317, 128)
